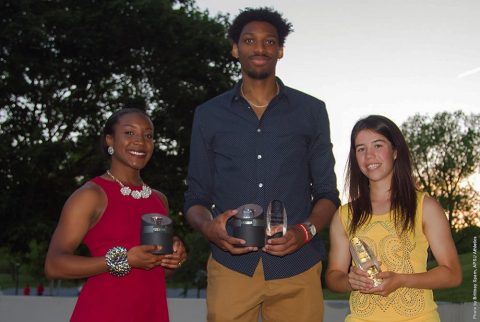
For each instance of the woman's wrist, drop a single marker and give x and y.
(117, 263)
(403, 279)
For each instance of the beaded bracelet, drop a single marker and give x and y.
(305, 231)
(116, 259)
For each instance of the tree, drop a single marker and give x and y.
(446, 152)
(66, 65)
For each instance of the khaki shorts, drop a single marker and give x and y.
(235, 297)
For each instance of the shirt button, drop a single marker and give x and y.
(259, 156)
(260, 185)
(259, 130)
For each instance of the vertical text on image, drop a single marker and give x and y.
(474, 278)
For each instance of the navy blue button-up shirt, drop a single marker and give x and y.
(236, 158)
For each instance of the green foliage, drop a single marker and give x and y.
(65, 66)
(35, 259)
(464, 238)
(324, 235)
(10, 269)
(462, 293)
(446, 151)
(193, 271)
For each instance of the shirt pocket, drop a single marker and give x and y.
(290, 146)
(231, 144)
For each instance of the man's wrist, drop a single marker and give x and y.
(304, 230)
(312, 230)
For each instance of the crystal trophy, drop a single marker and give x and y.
(365, 259)
(276, 220)
(157, 230)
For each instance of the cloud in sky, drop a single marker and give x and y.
(469, 72)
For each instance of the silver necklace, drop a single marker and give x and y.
(127, 191)
(253, 105)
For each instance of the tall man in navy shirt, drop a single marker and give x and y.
(257, 142)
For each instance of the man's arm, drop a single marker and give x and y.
(325, 192)
(322, 214)
(198, 196)
(324, 181)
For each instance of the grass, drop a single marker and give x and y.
(464, 292)
(460, 294)
(329, 295)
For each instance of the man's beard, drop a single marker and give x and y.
(257, 75)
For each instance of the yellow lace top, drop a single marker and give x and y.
(402, 254)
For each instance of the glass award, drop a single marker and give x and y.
(365, 259)
(276, 220)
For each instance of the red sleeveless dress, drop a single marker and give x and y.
(139, 296)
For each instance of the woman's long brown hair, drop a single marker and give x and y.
(402, 192)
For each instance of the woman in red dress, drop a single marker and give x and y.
(126, 282)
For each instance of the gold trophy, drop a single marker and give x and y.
(365, 259)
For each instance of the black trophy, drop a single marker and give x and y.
(276, 220)
(249, 225)
(157, 230)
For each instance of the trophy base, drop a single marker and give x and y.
(254, 236)
(164, 240)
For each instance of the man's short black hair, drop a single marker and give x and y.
(260, 14)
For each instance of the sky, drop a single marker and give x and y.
(390, 57)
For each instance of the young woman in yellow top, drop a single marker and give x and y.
(397, 223)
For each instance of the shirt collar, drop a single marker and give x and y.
(237, 94)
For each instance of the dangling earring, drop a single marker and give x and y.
(110, 150)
